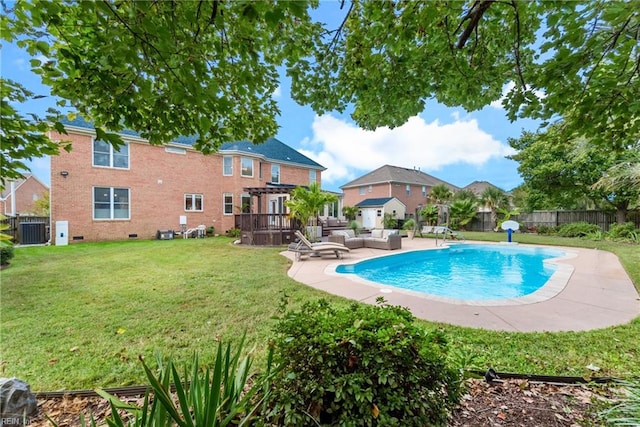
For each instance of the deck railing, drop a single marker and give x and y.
(263, 222)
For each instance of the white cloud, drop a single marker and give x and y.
(277, 93)
(348, 151)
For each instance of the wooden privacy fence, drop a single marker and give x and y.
(28, 230)
(604, 219)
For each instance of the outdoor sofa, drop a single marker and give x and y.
(379, 239)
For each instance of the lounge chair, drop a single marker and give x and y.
(305, 247)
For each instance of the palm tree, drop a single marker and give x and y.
(430, 214)
(462, 212)
(440, 195)
(494, 198)
(305, 204)
(350, 212)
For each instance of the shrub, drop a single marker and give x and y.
(579, 229)
(626, 231)
(546, 230)
(361, 365)
(234, 232)
(6, 254)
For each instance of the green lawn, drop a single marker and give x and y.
(78, 316)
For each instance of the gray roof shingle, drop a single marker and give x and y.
(367, 203)
(271, 149)
(388, 173)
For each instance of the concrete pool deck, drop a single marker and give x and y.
(591, 291)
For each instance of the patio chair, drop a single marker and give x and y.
(305, 247)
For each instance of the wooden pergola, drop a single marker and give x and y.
(266, 229)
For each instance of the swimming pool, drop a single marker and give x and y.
(464, 272)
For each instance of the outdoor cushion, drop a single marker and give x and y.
(376, 233)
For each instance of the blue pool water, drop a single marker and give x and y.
(468, 271)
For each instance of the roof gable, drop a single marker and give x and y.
(272, 149)
(388, 173)
(478, 187)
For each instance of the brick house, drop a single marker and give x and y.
(103, 193)
(27, 191)
(409, 186)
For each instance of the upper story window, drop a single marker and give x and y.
(408, 189)
(424, 191)
(110, 203)
(175, 150)
(363, 191)
(246, 167)
(275, 174)
(193, 202)
(227, 165)
(312, 176)
(104, 154)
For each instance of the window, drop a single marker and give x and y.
(227, 165)
(245, 203)
(424, 191)
(275, 174)
(104, 154)
(175, 150)
(363, 191)
(110, 203)
(246, 167)
(312, 176)
(379, 212)
(227, 200)
(408, 189)
(193, 202)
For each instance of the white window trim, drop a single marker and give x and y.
(126, 144)
(193, 199)
(111, 209)
(315, 176)
(231, 160)
(242, 159)
(175, 150)
(224, 204)
(278, 167)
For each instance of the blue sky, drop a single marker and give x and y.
(449, 143)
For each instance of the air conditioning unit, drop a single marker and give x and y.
(164, 235)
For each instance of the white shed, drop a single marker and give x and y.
(371, 211)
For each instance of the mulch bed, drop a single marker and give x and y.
(500, 403)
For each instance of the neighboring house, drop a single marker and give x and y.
(478, 187)
(371, 211)
(102, 193)
(409, 186)
(20, 196)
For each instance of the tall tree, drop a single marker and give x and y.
(574, 59)
(567, 171)
(208, 68)
(23, 138)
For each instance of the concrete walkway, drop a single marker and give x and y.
(590, 290)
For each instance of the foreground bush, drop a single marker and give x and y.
(206, 397)
(359, 366)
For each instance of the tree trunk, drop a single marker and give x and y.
(621, 214)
